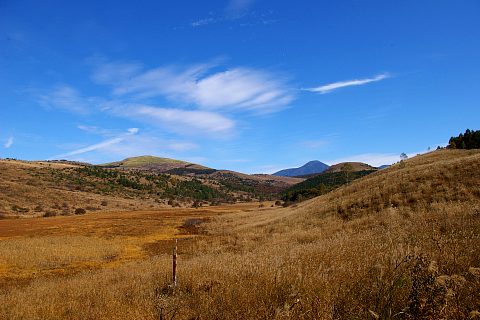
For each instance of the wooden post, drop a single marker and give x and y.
(174, 265)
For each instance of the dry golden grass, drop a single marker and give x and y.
(403, 243)
(27, 189)
(55, 252)
(30, 248)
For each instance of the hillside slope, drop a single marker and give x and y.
(52, 188)
(401, 241)
(352, 166)
(33, 189)
(418, 184)
(151, 163)
(254, 183)
(322, 183)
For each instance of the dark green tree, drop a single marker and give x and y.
(468, 140)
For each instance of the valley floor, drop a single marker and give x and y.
(34, 247)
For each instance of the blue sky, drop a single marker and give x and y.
(248, 85)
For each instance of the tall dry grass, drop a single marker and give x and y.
(55, 251)
(376, 260)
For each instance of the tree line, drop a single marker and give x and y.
(468, 140)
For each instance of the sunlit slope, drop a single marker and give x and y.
(418, 184)
(349, 166)
(46, 189)
(150, 162)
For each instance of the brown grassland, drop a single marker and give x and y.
(401, 243)
(49, 188)
(28, 189)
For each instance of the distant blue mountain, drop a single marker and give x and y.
(384, 166)
(311, 167)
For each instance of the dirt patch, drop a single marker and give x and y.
(193, 226)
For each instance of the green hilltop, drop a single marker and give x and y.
(143, 161)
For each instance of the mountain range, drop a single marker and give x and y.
(311, 167)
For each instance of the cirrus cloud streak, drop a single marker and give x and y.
(327, 88)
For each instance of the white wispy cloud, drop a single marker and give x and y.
(178, 120)
(232, 89)
(161, 81)
(89, 129)
(126, 144)
(200, 98)
(348, 83)
(147, 144)
(234, 10)
(205, 21)
(241, 88)
(96, 130)
(67, 98)
(8, 143)
(98, 146)
(237, 8)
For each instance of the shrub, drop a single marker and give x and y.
(49, 213)
(20, 209)
(80, 211)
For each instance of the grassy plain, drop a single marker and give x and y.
(401, 243)
(61, 245)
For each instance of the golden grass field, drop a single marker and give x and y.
(69, 244)
(401, 243)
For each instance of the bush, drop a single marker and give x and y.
(80, 211)
(20, 209)
(50, 213)
(196, 204)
